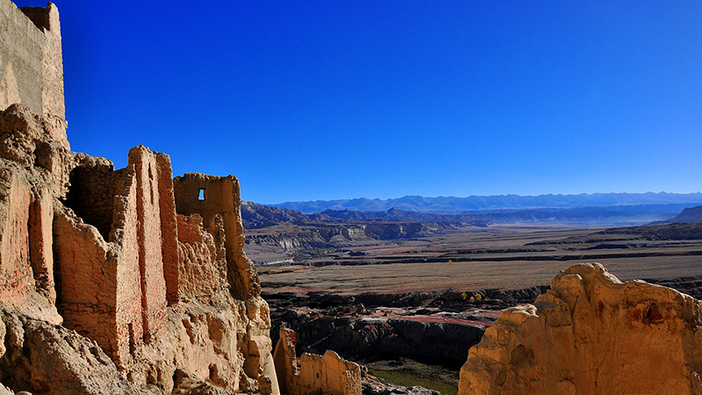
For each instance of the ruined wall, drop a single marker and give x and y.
(127, 205)
(15, 275)
(202, 269)
(86, 279)
(128, 317)
(31, 68)
(151, 193)
(92, 194)
(118, 291)
(41, 218)
(220, 196)
(316, 374)
(142, 307)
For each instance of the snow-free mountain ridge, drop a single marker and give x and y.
(452, 205)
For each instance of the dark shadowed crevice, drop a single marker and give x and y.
(91, 196)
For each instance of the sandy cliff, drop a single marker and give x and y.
(591, 334)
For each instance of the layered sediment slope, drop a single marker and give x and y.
(591, 334)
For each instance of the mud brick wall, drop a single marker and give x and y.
(26, 241)
(112, 284)
(210, 196)
(313, 374)
(92, 195)
(99, 282)
(150, 197)
(15, 275)
(202, 264)
(128, 317)
(31, 68)
(86, 280)
(41, 240)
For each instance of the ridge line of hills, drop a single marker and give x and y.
(471, 204)
(260, 216)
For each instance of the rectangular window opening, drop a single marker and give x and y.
(201, 195)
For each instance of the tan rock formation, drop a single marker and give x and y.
(33, 173)
(591, 334)
(316, 374)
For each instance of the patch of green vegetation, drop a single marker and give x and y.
(268, 271)
(304, 255)
(407, 373)
(407, 378)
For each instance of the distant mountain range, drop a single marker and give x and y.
(260, 216)
(474, 204)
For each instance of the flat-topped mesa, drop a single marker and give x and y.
(591, 334)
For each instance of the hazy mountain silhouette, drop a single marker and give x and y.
(454, 205)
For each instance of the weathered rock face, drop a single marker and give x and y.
(371, 337)
(50, 359)
(140, 291)
(33, 173)
(591, 334)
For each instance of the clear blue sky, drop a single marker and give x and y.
(306, 100)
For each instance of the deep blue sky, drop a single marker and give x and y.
(306, 100)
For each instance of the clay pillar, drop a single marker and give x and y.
(169, 226)
(153, 283)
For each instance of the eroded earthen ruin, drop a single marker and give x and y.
(312, 373)
(113, 281)
(132, 282)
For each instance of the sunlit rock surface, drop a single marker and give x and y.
(591, 334)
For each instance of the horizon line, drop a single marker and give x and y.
(471, 196)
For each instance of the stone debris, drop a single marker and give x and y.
(591, 334)
(372, 386)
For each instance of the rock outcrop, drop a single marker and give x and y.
(591, 334)
(690, 214)
(368, 337)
